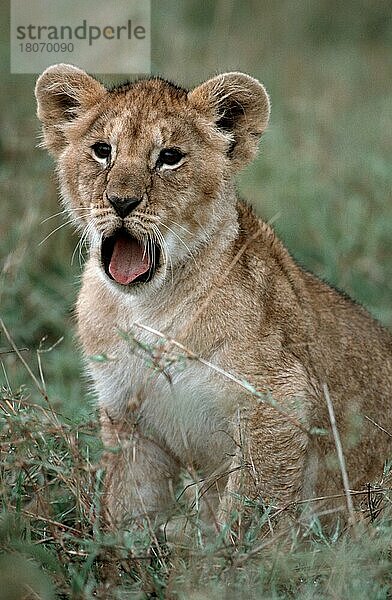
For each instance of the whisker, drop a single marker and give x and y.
(55, 230)
(145, 248)
(62, 212)
(202, 228)
(65, 211)
(82, 243)
(181, 226)
(165, 251)
(77, 247)
(151, 249)
(181, 240)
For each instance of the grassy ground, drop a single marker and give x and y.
(323, 177)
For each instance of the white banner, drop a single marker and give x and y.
(96, 35)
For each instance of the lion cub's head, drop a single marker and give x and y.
(146, 168)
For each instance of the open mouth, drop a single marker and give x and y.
(128, 260)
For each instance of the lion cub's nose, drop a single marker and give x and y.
(123, 206)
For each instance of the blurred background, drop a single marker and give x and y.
(323, 176)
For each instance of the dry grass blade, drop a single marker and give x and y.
(342, 462)
(378, 426)
(18, 353)
(262, 397)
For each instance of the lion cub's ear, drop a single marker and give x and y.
(239, 106)
(63, 92)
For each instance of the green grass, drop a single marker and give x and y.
(323, 177)
(51, 537)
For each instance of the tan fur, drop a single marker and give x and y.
(226, 289)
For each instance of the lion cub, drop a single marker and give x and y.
(220, 350)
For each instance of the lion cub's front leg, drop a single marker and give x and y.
(268, 466)
(140, 474)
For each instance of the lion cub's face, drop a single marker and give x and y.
(146, 168)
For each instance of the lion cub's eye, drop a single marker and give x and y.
(169, 157)
(102, 150)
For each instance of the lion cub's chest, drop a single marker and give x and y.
(176, 400)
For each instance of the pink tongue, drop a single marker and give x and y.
(129, 260)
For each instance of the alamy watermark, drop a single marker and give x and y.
(96, 35)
